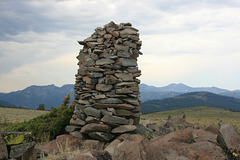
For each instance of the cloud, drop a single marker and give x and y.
(183, 41)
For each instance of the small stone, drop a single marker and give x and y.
(114, 120)
(77, 134)
(88, 62)
(115, 34)
(131, 101)
(91, 119)
(93, 127)
(100, 96)
(124, 91)
(124, 128)
(130, 84)
(117, 106)
(129, 44)
(112, 110)
(110, 79)
(90, 80)
(71, 128)
(127, 62)
(123, 54)
(77, 122)
(127, 31)
(123, 112)
(83, 101)
(124, 76)
(103, 87)
(121, 47)
(101, 136)
(104, 112)
(90, 111)
(94, 75)
(107, 36)
(97, 51)
(108, 72)
(92, 44)
(111, 101)
(104, 61)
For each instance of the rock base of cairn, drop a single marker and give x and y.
(106, 89)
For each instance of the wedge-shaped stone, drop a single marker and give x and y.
(128, 31)
(133, 101)
(114, 120)
(77, 122)
(93, 127)
(91, 119)
(90, 111)
(104, 61)
(101, 136)
(124, 128)
(124, 76)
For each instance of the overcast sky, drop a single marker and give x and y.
(195, 42)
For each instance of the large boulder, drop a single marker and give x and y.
(22, 151)
(127, 147)
(184, 144)
(64, 141)
(178, 123)
(229, 139)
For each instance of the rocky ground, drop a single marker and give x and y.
(174, 139)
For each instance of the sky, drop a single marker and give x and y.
(184, 41)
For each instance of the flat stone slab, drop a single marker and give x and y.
(124, 128)
(93, 127)
(114, 120)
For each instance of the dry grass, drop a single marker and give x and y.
(14, 115)
(202, 116)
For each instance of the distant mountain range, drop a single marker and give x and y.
(191, 99)
(31, 97)
(151, 92)
(52, 95)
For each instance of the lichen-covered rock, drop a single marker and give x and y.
(3, 150)
(12, 138)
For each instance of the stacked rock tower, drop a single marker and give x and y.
(106, 89)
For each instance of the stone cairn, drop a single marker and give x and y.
(106, 89)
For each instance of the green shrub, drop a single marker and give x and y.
(52, 124)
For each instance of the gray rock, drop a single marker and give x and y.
(123, 112)
(103, 87)
(114, 120)
(142, 130)
(129, 62)
(104, 61)
(79, 106)
(105, 112)
(110, 79)
(22, 151)
(94, 75)
(90, 111)
(121, 47)
(83, 102)
(77, 122)
(111, 101)
(101, 136)
(71, 128)
(133, 101)
(3, 150)
(124, 128)
(123, 54)
(229, 138)
(124, 76)
(77, 134)
(93, 127)
(91, 119)
(130, 84)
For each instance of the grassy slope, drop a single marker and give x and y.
(203, 116)
(14, 115)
